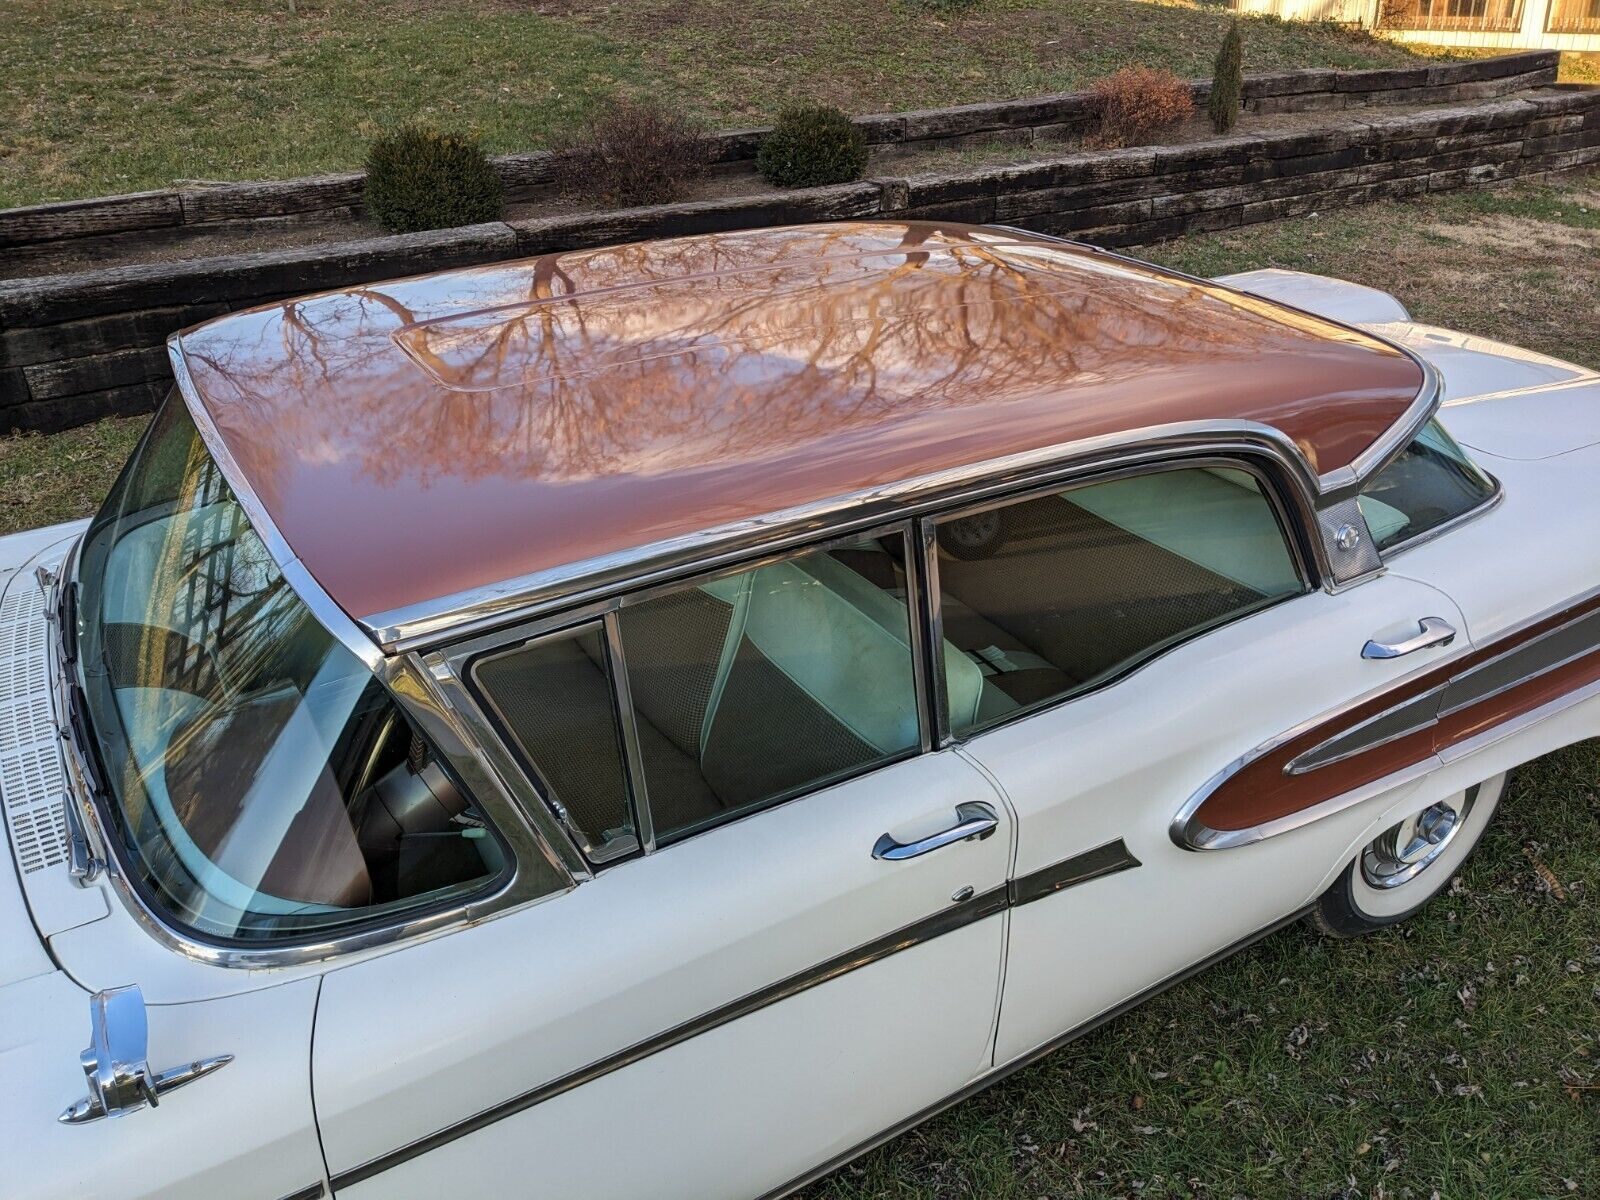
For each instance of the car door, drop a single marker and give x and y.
(791, 941)
(1144, 632)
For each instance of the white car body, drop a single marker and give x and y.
(633, 1036)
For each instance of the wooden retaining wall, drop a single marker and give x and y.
(74, 348)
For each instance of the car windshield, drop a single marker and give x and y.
(260, 777)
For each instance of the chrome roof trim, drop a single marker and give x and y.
(432, 622)
(1341, 483)
(514, 600)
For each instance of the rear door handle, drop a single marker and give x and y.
(974, 822)
(1434, 631)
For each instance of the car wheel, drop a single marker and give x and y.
(1406, 866)
(974, 537)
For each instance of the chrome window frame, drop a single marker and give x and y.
(624, 729)
(1291, 531)
(453, 663)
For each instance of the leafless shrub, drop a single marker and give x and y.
(631, 152)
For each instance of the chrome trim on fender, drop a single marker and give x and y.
(946, 920)
(1187, 832)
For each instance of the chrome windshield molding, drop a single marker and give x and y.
(512, 889)
(300, 580)
(474, 611)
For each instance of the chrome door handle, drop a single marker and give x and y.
(974, 821)
(1435, 631)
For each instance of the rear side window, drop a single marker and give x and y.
(1432, 482)
(742, 690)
(1052, 596)
(759, 685)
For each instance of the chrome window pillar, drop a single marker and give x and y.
(644, 825)
(930, 616)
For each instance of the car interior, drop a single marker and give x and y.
(756, 685)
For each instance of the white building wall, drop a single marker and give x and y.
(1364, 13)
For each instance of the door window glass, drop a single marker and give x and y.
(553, 698)
(755, 686)
(1057, 594)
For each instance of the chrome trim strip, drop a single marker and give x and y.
(947, 920)
(476, 610)
(1104, 860)
(926, 553)
(1027, 1059)
(1212, 839)
(644, 827)
(314, 1192)
(925, 662)
(1390, 725)
(1548, 652)
(1191, 834)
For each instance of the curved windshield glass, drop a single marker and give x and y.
(261, 777)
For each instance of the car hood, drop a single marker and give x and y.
(1497, 399)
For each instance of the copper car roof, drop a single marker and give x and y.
(420, 439)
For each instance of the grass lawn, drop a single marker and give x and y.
(1456, 1057)
(104, 96)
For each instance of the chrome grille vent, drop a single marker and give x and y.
(31, 780)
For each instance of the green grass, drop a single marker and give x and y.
(1458, 1055)
(104, 96)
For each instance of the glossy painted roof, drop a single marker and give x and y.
(422, 438)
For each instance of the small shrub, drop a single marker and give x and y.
(1138, 102)
(810, 145)
(1227, 81)
(418, 178)
(631, 152)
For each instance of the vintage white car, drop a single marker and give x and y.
(656, 721)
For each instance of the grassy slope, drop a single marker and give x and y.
(103, 96)
(1457, 1056)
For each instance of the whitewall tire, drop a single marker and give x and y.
(1408, 864)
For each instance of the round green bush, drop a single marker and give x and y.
(419, 178)
(810, 145)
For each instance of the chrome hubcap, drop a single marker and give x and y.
(1404, 852)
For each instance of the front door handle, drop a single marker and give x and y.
(974, 822)
(1435, 631)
